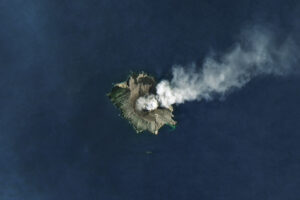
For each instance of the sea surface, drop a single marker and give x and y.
(61, 138)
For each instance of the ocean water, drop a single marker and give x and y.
(61, 138)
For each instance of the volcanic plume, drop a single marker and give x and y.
(257, 53)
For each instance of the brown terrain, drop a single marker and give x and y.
(124, 96)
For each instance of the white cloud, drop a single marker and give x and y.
(256, 54)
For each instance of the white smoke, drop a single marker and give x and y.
(258, 53)
(148, 102)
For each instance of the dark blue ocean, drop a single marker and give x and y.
(62, 139)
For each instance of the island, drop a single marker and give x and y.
(124, 96)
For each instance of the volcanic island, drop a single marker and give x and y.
(124, 96)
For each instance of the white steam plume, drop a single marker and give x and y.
(148, 102)
(258, 54)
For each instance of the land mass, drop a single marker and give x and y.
(124, 96)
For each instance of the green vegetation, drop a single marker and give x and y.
(124, 95)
